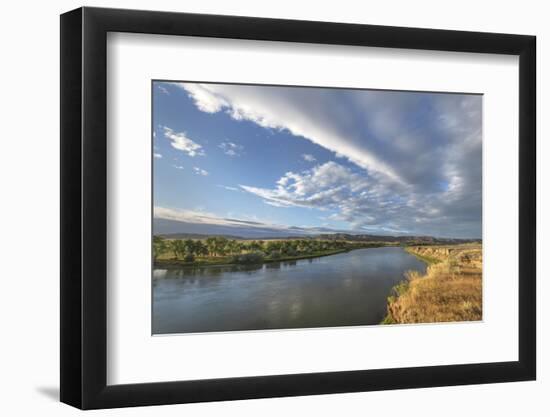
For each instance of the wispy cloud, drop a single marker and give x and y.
(226, 187)
(420, 153)
(205, 218)
(323, 187)
(309, 158)
(366, 204)
(200, 171)
(178, 166)
(287, 108)
(231, 149)
(182, 143)
(157, 155)
(164, 90)
(205, 100)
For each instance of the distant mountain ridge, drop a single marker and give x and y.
(384, 238)
(173, 229)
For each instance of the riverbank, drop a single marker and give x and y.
(227, 261)
(348, 289)
(218, 250)
(451, 289)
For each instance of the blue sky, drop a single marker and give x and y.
(363, 161)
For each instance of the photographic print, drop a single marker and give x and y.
(286, 207)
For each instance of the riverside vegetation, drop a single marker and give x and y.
(218, 250)
(451, 289)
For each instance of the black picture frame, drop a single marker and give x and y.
(84, 207)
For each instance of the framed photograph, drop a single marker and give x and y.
(259, 208)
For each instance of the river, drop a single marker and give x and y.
(346, 289)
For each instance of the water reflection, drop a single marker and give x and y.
(339, 290)
(159, 273)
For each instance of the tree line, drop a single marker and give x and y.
(189, 249)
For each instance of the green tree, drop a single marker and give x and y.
(159, 247)
(177, 247)
(229, 247)
(189, 247)
(273, 246)
(211, 246)
(304, 246)
(200, 248)
(221, 245)
(288, 247)
(254, 246)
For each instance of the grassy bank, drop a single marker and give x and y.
(424, 258)
(451, 289)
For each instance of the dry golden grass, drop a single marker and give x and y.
(451, 290)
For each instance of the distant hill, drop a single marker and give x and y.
(400, 239)
(173, 229)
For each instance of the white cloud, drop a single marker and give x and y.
(205, 218)
(184, 215)
(226, 187)
(200, 171)
(178, 166)
(231, 149)
(157, 155)
(182, 143)
(164, 90)
(287, 108)
(202, 217)
(362, 202)
(309, 158)
(324, 187)
(204, 99)
(421, 152)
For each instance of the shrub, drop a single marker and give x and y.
(249, 258)
(412, 275)
(401, 288)
(189, 258)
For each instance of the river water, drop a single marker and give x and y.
(340, 290)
